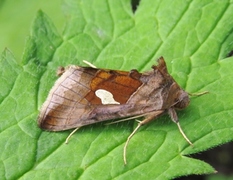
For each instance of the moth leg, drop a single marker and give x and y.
(173, 115)
(127, 142)
(125, 119)
(89, 64)
(67, 139)
(148, 118)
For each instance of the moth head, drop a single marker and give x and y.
(177, 97)
(182, 100)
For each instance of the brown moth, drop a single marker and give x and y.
(87, 95)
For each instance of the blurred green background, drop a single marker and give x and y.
(16, 17)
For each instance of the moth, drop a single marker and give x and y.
(88, 95)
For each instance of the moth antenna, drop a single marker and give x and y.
(198, 94)
(183, 134)
(67, 139)
(89, 64)
(127, 142)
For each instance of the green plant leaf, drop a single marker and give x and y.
(15, 23)
(193, 36)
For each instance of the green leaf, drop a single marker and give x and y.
(16, 18)
(193, 36)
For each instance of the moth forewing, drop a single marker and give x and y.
(88, 95)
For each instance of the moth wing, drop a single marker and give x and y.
(81, 116)
(72, 101)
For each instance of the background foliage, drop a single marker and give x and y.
(195, 37)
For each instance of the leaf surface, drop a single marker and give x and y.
(193, 36)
